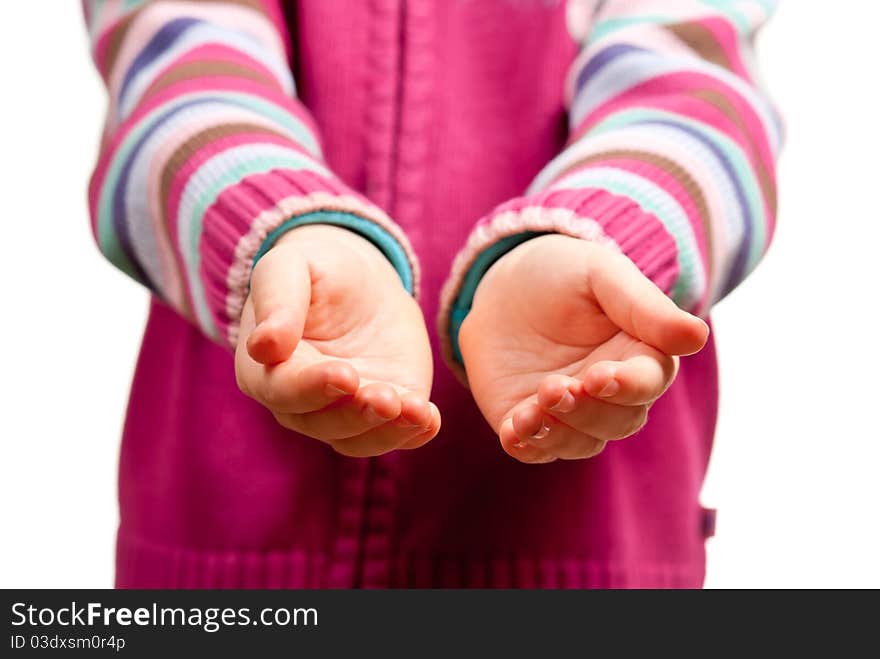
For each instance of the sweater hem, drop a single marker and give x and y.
(144, 564)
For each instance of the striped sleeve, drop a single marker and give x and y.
(671, 155)
(207, 155)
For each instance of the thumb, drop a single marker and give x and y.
(280, 294)
(636, 305)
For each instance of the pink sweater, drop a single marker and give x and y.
(474, 125)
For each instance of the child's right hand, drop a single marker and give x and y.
(333, 345)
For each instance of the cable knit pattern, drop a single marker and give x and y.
(207, 151)
(671, 154)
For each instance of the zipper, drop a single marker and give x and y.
(390, 202)
(397, 106)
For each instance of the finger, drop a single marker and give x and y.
(396, 434)
(372, 406)
(558, 394)
(641, 309)
(637, 380)
(566, 443)
(280, 293)
(247, 373)
(433, 428)
(597, 418)
(415, 409)
(293, 388)
(519, 449)
(553, 437)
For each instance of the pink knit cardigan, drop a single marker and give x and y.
(443, 131)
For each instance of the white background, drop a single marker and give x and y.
(797, 463)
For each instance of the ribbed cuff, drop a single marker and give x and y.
(373, 232)
(588, 214)
(249, 216)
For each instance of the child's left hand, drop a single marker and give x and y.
(568, 344)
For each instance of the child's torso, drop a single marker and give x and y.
(438, 111)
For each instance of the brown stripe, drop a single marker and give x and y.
(121, 27)
(200, 68)
(699, 39)
(114, 41)
(673, 169)
(183, 153)
(723, 104)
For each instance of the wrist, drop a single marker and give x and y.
(515, 264)
(311, 240)
(324, 233)
(380, 236)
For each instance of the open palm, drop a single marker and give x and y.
(334, 346)
(568, 344)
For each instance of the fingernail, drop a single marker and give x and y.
(372, 416)
(543, 431)
(566, 403)
(333, 390)
(609, 389)
(265, 322)
(430, 422)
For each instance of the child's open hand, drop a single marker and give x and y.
(568, 344)
(334, 346)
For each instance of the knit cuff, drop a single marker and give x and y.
(380, 237)
(247, 218)
(589, 214)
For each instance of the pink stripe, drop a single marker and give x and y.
(216, 52)
(728, 39)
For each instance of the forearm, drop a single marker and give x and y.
(670, 159)
(208, 156)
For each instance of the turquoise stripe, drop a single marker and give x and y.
(386, 243)
(737, 160)
(465, 298)
(603, 28)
